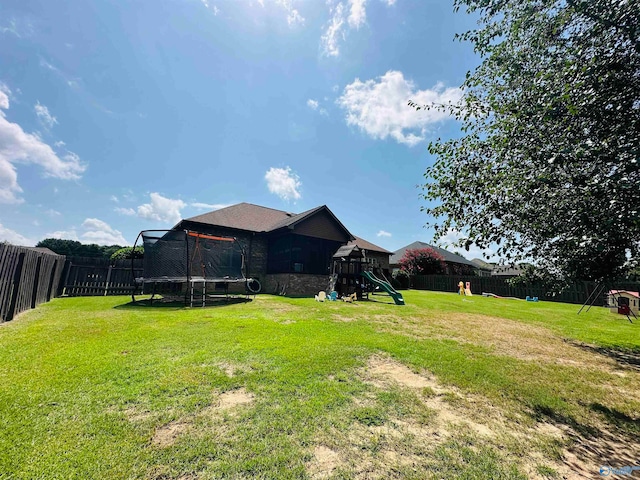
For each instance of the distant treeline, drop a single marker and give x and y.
(72, 248)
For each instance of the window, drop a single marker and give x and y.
(300, 254)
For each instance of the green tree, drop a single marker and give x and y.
(127, 253)
(546, 165)
(73, 248)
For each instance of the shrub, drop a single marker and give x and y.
(127, 253)
(422, 261)
(402, 280)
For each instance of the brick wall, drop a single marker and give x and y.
(294, 284)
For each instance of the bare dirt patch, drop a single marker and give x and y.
(383, 370)
(406, 441)
(229, 401)
(166, 435)
(234, 398)
(325, 461)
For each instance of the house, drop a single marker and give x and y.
(621, 300)
(372, 251)
(495, 270)
(455, 264)
(483, 269)
(289, 253)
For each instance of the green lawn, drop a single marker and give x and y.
(444, 387)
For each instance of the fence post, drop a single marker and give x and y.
(66, 278)
(16, 287)
(106, 285)
(36, 283)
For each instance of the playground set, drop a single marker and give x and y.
(191, 266)
(356, 277)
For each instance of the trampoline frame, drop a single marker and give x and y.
(192, 281)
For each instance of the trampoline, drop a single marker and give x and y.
(194, 266)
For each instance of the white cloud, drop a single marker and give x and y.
(205, 3)
(357, 13)
(162, 209)
(208, 206)
(293, 15)
(52, 213)
(383, 233)
(113, 198)
(379, 107)
(284, 183)
(101, 233)
(4, 97)
(13, 237)
(216, 10)
(19, 147)
(44, 116)
(315, 105)
(125, 211)
(63, 235)
(389, 2)
(331, 38)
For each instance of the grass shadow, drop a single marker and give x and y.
(610, 444)
(625, 358)
(617, 418)
(180, 304)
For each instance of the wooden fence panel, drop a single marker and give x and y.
(28, 277)
(576, 293)
(97, 276)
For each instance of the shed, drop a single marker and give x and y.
(620, 298)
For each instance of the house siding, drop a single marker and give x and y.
(381, 258)
(321, 225)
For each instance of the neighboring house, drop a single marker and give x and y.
(506, 271)
(486, 269)
(289, 253)
(455, 263)
(483, 269)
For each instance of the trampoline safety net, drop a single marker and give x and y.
(179, 255)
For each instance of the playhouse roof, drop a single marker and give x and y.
(628, 292)
(348, 251)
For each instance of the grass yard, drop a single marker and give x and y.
(445, 387)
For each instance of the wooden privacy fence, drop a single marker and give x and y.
(576, 293)
(28, 277)
(98, 276)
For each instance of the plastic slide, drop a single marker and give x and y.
(397, 297)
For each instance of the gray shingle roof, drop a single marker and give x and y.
(244, 216)
(255, 218)
(447, 255)
(365, 245)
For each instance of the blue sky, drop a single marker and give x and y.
(121, 116)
